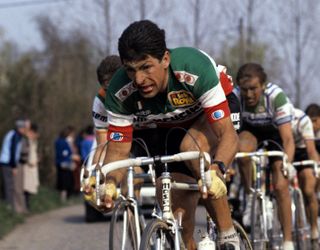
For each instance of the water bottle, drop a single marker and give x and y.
(206, 243)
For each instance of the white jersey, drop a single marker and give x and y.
(302, 128)
(99, 112)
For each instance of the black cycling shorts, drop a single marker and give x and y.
(159, 144)
(235, 111)
(301, 154)
(270, 136)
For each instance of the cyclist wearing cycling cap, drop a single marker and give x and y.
(267, 114)
(165, 88)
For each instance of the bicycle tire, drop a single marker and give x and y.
(123, 216)
(258, 223)
(158, 236)
(245, 243)
(301, 234)
(275, 234)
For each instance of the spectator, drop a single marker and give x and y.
(86, 143)
(10, 161)
(30, 168)
(64, 163)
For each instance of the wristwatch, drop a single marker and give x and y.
(221, 166)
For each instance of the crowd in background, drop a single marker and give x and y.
(71, 150)
(19, 163)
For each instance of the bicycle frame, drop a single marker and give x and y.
(259, 166)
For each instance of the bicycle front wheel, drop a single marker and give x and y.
(157, 236)
(123, 229)
(258, 227)
(245, 243)
(301, 233)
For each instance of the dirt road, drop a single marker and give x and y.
(64, 229)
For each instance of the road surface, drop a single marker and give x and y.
(63, 229)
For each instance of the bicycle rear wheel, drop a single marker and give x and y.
(258, 227)
(157, 236)
(245, 243)
(301, 233)
(123, 229)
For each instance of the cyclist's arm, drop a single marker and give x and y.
(311, 150)
(101, 138)
(286, 135)
(228, 140)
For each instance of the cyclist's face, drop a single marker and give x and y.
(106, 80)
(251, 89)
(316, 123)
(150, 75)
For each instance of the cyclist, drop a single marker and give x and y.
(313, 111)
(306, 149)
(266, 114)
(107, 67)
(162, 88)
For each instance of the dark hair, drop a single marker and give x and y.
(313, 110)
(140, 39)
(34, 127)
(89, 130)
(108, 66)
(65, 132)
(250, 70)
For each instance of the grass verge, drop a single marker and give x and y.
(45, 200)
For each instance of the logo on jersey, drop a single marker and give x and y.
(116, 136)
(181, 98)
(188, 78)
(218, 114)
(125, 91)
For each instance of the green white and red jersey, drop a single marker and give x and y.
(193, 88)
(273, 109)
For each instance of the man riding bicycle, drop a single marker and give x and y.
(306, 149)
(160, 88)
(266, 115)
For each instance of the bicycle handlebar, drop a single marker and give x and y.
(312, 163)
(261, 153)
(143, 161)
(256, 155)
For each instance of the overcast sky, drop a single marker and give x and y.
(17, 19)
(17, 22)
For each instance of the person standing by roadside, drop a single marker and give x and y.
(30, 168)
(64, 163)
(10, 158)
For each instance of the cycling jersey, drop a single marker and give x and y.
(193, 87)
(274, 108)
(302, 128)
(99, 112)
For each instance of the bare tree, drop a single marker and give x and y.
(297, 39)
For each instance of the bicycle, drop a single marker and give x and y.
(265, 229)
(301, 227)
(127, 220)
(164, 231)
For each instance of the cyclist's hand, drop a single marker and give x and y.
(215, 183)
(291, 171)
(110, 194)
